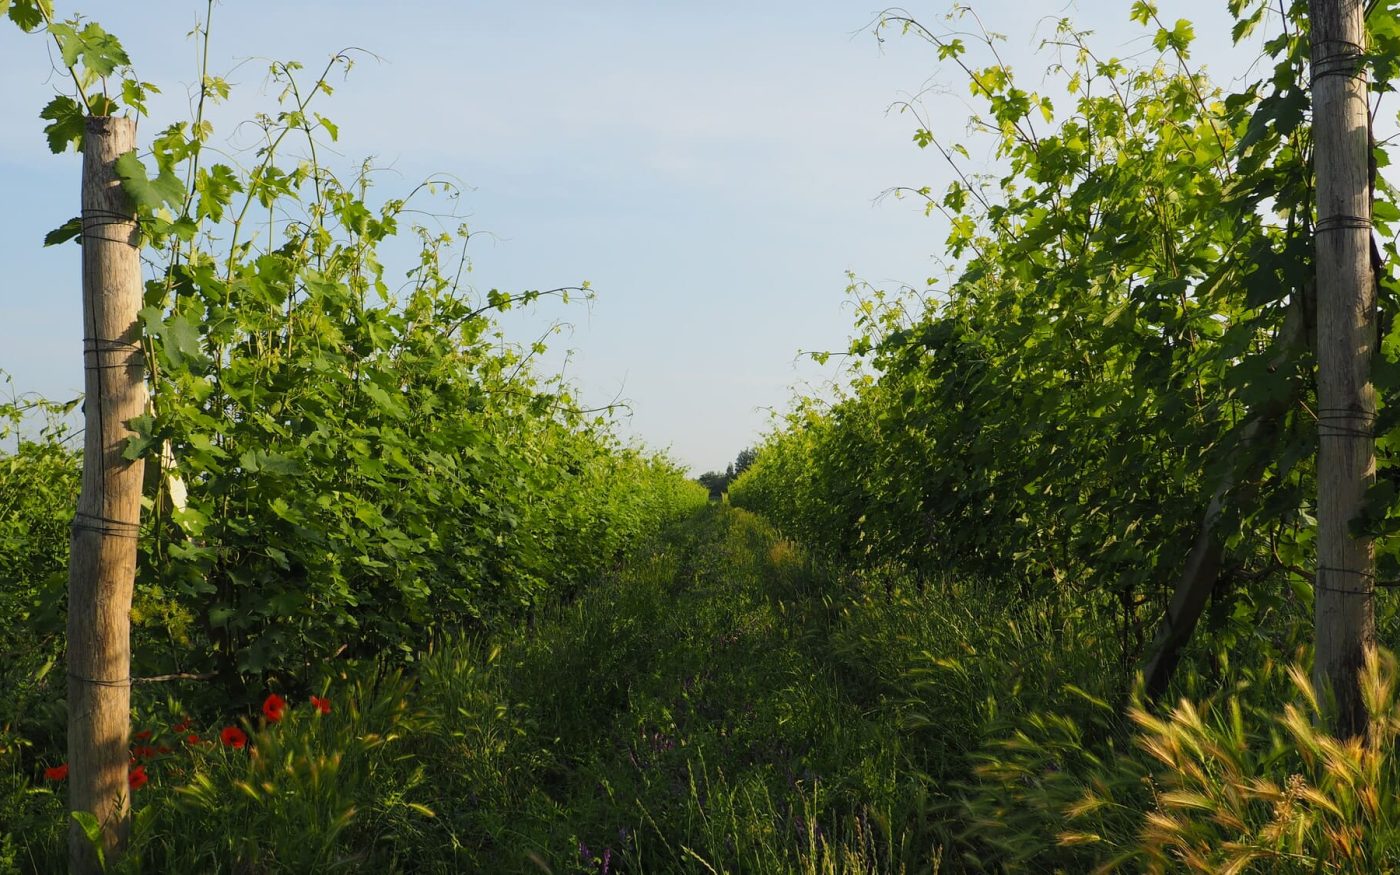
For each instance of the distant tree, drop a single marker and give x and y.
(716, 482)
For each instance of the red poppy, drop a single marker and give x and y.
(56, 773)
(322, 706)
(181, 726)
(234, 737)
(143, 752)
(143, 735)
(192, 739)
(163, 749)
(137, 777)
(273, 706)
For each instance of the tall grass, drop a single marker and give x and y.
(724, 705)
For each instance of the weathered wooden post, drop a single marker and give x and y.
(1346, 340)
(102, 567)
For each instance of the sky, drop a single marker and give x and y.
(714, 170)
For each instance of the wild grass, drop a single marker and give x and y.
(724, 706)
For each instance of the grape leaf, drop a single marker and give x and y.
(65, 124)
(27, 14)
(98, 50)
(69, 230)
(149, 194)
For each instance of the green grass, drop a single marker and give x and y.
(685, 718)
(722, 705)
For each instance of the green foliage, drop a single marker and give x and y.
(357, 485)
(689, 713)
(33, 817)
(1127, 336)
(717, 482)
(27, 14)
(38, 493)
(90, 46)
(149, 194)
(343, 461)
(346, 461)
(310, 792)
(65, 127)
(91, 56)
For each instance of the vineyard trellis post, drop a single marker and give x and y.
(1346, 340)
(102, 565)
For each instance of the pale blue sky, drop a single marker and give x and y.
(711, 168)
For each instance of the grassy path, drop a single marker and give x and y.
(718, 705)
(708, 710)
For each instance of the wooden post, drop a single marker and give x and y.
(1346, 340)
(102, 568)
